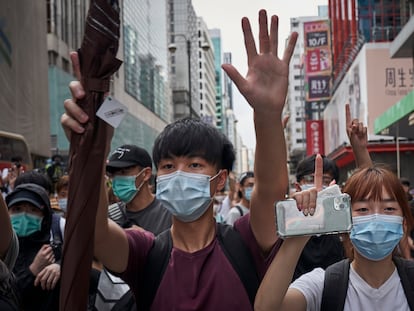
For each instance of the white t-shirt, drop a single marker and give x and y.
(225, 207)
(234, 214)
(360, 295)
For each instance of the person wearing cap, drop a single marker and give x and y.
(246, 183)
(130, 168)
(37, 269)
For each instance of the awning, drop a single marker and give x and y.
(344, 155)
(398, 119)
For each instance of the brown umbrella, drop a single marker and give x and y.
(98, 62)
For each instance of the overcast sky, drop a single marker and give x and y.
(226, 15)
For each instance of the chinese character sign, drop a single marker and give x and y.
(314, 137)
(318, 60)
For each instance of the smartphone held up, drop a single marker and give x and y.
(332, 215)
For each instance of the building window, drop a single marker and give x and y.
(52, 58)
(65, 65)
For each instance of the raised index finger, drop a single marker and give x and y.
(348, 115)
(318, 175)
(74, 57)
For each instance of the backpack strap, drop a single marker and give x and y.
(240, 209)
(57, 238)
(240, 258)
(56, 232)
(405, 270)
(335, 286)
(157, 261)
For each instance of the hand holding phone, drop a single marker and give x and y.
(320, 211)
(332, 215)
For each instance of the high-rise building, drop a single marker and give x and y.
(183, 42)
(23, 74)
(142, 82)
(65, 28)
(297, 106)
(220, 109)
(206, 75)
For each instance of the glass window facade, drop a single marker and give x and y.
(145, 54)
(381, 21)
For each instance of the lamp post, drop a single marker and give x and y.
(172, 48)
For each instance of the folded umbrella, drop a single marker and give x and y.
(98, 62)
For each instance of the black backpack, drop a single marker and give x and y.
(337, 278)
(233, 247)
(239, 209)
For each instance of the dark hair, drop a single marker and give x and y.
(307, 167)
(34, 177)
(405, 181)
(244, 176)
(193, 137)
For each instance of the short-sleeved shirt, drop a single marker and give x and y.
(203, 280)
(234, 214)
(360, 295)
(154, 218)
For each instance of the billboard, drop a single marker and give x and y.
(318, 60)
(373, 83)
(314, 137)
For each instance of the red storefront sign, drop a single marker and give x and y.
(314, 137)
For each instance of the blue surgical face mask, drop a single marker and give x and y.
(124, 187)
(25, 224)
(304, 187)
(375, 236)
(185, 195)
(63, 203)
(248, 193)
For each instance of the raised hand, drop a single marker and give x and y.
(74, 117)
(357, 134)
(265, 85)
(356, 131)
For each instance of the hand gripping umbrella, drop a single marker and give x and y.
(98, 62)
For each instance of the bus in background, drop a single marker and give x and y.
(14, 146)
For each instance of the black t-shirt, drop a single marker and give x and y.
(319, 252)
(154, 218)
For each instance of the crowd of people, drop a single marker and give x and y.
(203, 238)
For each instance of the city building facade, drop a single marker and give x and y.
(299, 108)
(370, 80)
(206, 75)
(23, 74)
